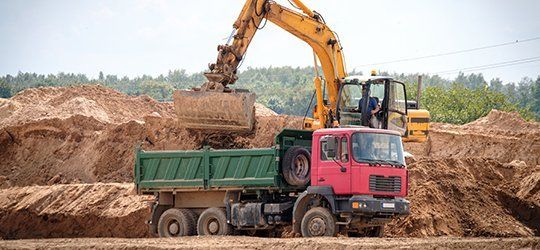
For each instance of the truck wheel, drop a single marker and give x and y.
(318, 221)
(296, 166)
(176, 223)
(213, 221)
(377, 231)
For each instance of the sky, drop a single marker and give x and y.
(139, 37)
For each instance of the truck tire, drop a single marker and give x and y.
(176, 223)
(213, 221)
(296, 166)
(317, 222)
(377, 232)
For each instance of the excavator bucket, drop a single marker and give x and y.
(210, 110)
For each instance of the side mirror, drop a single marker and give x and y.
(331, 147)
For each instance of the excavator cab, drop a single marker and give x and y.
(389, 95)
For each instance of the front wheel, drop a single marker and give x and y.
(318, 222)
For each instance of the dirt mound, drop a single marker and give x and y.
(89, 133)
(104, 104)
(74, 210)
(504, 121)
(470, 197)
(500, 135)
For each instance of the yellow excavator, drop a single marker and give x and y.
(216, 106)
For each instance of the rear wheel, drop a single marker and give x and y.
(213, 221)
(296, 166)
(377, 231)
(176, 223)
(317, 222)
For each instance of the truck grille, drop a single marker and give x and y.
(379, 183)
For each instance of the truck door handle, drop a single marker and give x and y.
(322, 179)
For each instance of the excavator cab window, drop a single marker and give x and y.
(351, 93)
(397, 107)
(390, 96)
(350, 97)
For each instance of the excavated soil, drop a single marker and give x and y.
(73, 210)
(499, 135)
(470, 197)
(480, 179)
(88, 134)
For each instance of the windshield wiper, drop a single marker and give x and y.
(371, 162)
(376, 162)
(394, 163)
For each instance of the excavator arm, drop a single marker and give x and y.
(307, 25)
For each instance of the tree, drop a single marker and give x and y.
(5, 89)
(157, 90)
(536, 97)
(101, 77)
(496, 84)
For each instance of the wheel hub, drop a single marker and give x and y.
(174, 228)
(213, 227)
(301, 164)
(317, 227)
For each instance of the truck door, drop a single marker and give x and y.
(335, 170)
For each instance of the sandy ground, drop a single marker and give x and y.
(272, 243)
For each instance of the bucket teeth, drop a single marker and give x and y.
(209, 110)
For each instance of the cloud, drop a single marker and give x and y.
(103, 13)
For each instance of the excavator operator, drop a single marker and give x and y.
(373, 108)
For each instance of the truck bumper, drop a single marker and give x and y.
(379, 206)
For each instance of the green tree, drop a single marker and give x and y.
(5, 89)
(460, 105)
(157, 90)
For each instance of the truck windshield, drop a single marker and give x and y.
(376, 148)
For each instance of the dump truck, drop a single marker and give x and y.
(336, 180)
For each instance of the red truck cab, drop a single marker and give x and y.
(359, 175)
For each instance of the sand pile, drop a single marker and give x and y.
(103, 104)
(73, 210)
(478, 179)
(89, 133)
(470, 197)
(500, 135)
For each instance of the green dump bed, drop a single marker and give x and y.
(210, 169)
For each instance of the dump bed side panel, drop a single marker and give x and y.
(207, 169)
(254, 167)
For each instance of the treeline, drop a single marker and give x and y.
(288, 90)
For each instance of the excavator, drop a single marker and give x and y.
(340, 99)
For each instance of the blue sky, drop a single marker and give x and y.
(151, 37)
